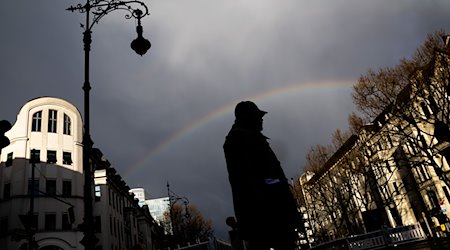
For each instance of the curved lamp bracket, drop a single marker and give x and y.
(100, 8)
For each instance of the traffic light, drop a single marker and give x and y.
(4, 127)
(27, 221)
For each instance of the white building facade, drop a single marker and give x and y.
(139, 193)
(52, 127)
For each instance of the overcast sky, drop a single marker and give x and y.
(163, 117)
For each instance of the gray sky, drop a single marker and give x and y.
(164, 116)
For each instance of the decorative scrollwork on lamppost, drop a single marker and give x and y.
(96, 10)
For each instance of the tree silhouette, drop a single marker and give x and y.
(188, 225)
(378, 89)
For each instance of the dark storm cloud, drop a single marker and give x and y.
(206, 55)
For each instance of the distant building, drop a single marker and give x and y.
(120, 222)
(158, 208)
(139, 193)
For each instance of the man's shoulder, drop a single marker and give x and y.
(244, 137)
(240, 134)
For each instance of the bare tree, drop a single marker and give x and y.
(188, 225)
(356, 122)
(317, 156)
(376, 90)
(339, 137)
(418, 122)
(414, 96)
(423, 112)
(331, 202)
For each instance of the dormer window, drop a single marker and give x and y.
(67, 158)
(51, 156)
(37, 122)
(9, 160)
(67, 125)
(52, 121)
(35, 156)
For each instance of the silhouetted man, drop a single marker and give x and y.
(264, 206)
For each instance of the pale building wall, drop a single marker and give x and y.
(158, 207)
(17, 175)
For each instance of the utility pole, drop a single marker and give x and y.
(31, 212)
(28, 219)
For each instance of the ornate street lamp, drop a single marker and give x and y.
(173, 199)
(99, 9)
(140, 45)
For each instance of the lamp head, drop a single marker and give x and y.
(140, 45)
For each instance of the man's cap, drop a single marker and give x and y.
(247, 109)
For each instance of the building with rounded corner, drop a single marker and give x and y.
(52, 127)
(42, 180)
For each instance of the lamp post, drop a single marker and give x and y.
(95, 10)
(174, 198)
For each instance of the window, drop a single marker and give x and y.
(433, 105)
(50, 187)
(65, 223)
(67, 188)
(3, 226)
(396, 216)
(113, 199)
(52, 121)
(67, 125)
(7, 191)
(424, 171)
(447, 194)
(9, 159)
(98, 193)
(51, 156)
(425, 109)
(121, 231)
(35, 156)
(36, 122)
(35, 187)
(396, 190)
(34, 221)
(67, 158)
(110, 225)
(115, 227)
(387, 166)
(97, 224)
(433, 199)
(50, 221)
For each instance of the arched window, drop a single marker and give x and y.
(67, 125)
(52, 120)
(37, 122)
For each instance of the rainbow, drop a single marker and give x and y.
(229, 108)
